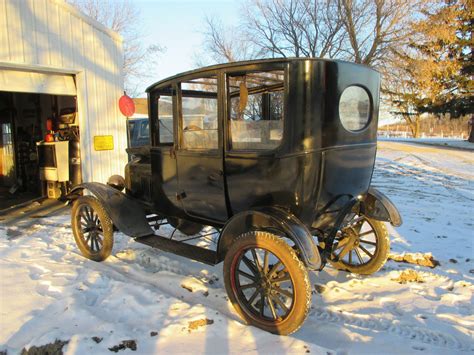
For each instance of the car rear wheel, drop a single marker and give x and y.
(267, 283)
(92, 228)
(362, 246)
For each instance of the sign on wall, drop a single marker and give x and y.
(126, 105)
(103, 143)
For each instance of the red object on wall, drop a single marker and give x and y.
(49, 124)
(126, 105)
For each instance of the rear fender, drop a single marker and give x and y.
(271, 219)
(378, 206)
(127, 214)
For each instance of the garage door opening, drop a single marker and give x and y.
(39, 146)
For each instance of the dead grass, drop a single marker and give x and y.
(421, 259)
(195, 324)
(408, 275)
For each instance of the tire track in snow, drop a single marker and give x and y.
(404, 330)
(422, 169)
(154, 263)
(143, 277)
(134, 275)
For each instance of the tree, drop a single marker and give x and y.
(446, 57)
(375, 27)
(400, 88)
(123, 17)
(225, 44)
(363, 31)
(294, 28)
(437, 63)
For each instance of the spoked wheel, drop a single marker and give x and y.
(362, 245)
(267, 283)
(92, 228)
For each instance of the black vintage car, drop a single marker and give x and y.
(277, 156)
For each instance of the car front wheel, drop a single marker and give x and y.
(92, 228)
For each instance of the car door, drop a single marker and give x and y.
(257, 171)
(201, 187)
(163, 104)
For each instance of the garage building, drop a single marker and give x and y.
(60, 81)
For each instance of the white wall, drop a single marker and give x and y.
(53, 37)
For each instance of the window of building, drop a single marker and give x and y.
(256, 109)
(199, 113)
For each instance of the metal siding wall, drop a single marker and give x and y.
(49, 33)
(5, 53)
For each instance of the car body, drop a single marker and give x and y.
(281, 148)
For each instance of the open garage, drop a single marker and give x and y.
(60, 81)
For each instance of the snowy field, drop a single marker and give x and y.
(168, 304)
(436, 141)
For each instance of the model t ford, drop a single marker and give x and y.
(277, 156)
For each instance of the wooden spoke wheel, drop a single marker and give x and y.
(267, 283)
(92, 228)
(362, 245)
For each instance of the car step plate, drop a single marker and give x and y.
(179, 248)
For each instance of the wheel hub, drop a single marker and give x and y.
(350, 240)
(91, 227)
(265, 284)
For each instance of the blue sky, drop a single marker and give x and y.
(179, 25)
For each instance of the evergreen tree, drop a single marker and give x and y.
(435, 70)
(446, 62)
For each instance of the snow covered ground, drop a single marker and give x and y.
(48, 291)
(436, 141)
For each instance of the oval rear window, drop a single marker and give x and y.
(354, 108)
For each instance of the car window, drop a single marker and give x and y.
(165, 119)
(144, 132)
(139, 132)
(354, 108)
(199, 113)
(256, 110)
(131, 130)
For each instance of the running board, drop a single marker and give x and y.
(203, 255)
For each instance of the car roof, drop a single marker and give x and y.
(241, 63)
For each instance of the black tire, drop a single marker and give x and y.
(185, 227)
(92, 228)
(370, 251)
(274, 283)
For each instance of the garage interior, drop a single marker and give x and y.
(39, 147)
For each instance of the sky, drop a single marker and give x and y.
(178, 26)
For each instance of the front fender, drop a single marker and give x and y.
(268, 219)
(126, 214)
(378, 206)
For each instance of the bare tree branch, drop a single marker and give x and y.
(123, 17)
(363, 31)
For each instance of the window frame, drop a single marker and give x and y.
(264, 67)
(202, 94)
(141, 129)
(371, 109)
(168, 89)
